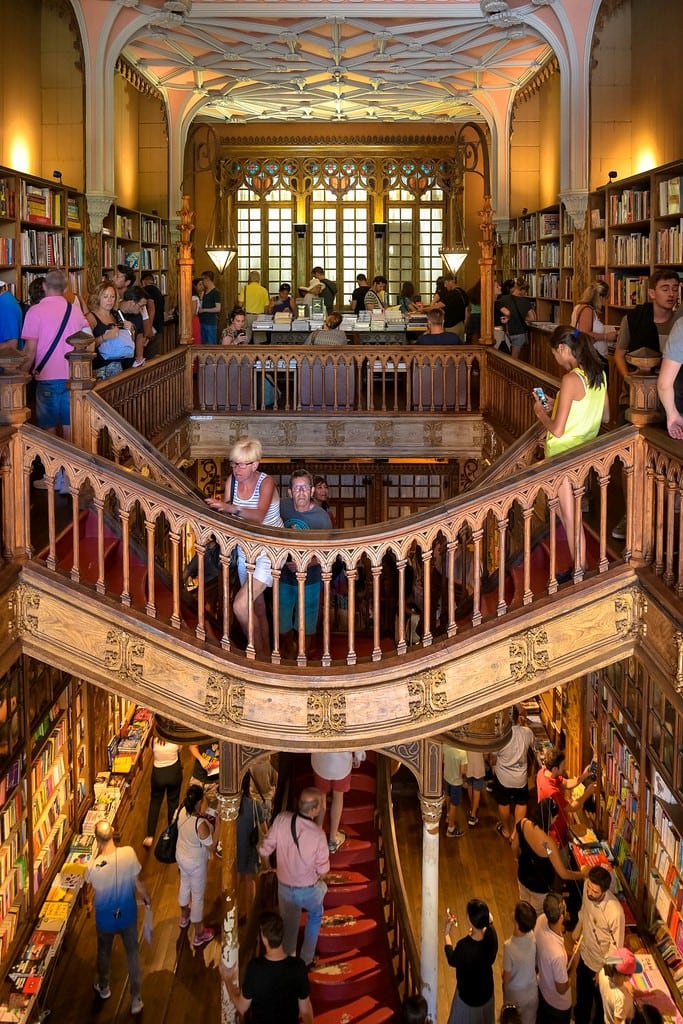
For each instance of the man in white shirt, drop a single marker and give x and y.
(601, 928)
(554, 985)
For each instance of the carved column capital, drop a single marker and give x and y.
(98, 208)
(431, 808)
(576, 205)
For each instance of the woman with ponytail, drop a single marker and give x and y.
(580, 406)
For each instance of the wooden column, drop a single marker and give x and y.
(486, 272)
(185, 268)
(228, 809)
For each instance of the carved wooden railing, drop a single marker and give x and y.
(399, 914)
(311, 378)
(154, 397)
(467, 537)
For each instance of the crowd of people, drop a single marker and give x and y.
(565, 956)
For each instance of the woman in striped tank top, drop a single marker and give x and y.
(252, 496)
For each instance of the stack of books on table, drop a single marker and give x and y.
(363, 321)
(282, 321)
(394, 318)
(377, 320)
(300, 325)
(262, 322)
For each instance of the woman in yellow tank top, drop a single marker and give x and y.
(580, 406)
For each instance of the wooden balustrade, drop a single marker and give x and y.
(305, 378)
(461, 548)
(399, 914)
(154, 397)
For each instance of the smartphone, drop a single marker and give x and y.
(542, 397)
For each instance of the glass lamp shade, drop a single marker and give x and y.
(219, 245)
(221, 255)
(454, 256)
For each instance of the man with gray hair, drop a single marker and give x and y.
(302, 860)
(114, 874)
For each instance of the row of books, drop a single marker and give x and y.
(49, 764)
(549, 254)
(125, 227)
(154, 232)
(669, 244)
(670, 196)
(549, 286)
(40, 205)
(631, 250)
(633, 204)
(7, 250)
(526, 257)
(153, 259)
(75, 250)
(627, 290)
(12, 812)
(42, 248)
(7, 200)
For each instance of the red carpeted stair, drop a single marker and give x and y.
(352, 981)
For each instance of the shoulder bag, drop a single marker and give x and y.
(57, 338)
(165, 848)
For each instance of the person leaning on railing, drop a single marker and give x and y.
(579, 407)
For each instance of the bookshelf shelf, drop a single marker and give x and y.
(37, 226)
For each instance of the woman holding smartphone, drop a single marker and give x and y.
(580, 406)
(237, 332)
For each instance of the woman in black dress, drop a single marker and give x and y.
(473, 958)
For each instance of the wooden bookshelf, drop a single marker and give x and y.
(137, 240)
(41, 229)
(636, 227)
(540, 239)
(637, 732)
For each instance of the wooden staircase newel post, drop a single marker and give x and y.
(81, 380)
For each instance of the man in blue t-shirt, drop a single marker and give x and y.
(10, 318)
(300, 512)
(114, 874)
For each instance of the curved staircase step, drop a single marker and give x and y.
(354, 851)
(336, 978)
(365, 1010)
(359, 807)
(346, 926)
(345, 886)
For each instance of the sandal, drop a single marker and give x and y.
(501, 832)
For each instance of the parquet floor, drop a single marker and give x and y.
(178, 987)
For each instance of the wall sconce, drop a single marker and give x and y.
(380, 229)
(58, 176)
(300, 229)
(612, 175)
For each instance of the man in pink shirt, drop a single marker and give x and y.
(53, 318)
(302, 860)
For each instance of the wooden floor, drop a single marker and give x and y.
(176, 983)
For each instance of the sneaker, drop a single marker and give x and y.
(184, 918)
(454, 833)
(136, 1005)
(472, 820)
(337, 843)
(139, 362)
(103, 991)
(619, 530)
(203, 936)
(62, 482)
(41, 484)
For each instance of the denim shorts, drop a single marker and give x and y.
(53, 407)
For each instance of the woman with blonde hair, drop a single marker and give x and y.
(586, 317)
(252, 496)
(106, 321)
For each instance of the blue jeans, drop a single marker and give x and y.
(292, 899)
(209, 333)
(53, 405)
(105, 941)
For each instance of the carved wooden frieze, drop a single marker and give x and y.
(124, 655)
(224, 700)
(404, 699)
(326, 713)
(529, 654)
(426, 694)
(630, 612)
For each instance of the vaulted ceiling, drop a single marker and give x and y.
(242, 63)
